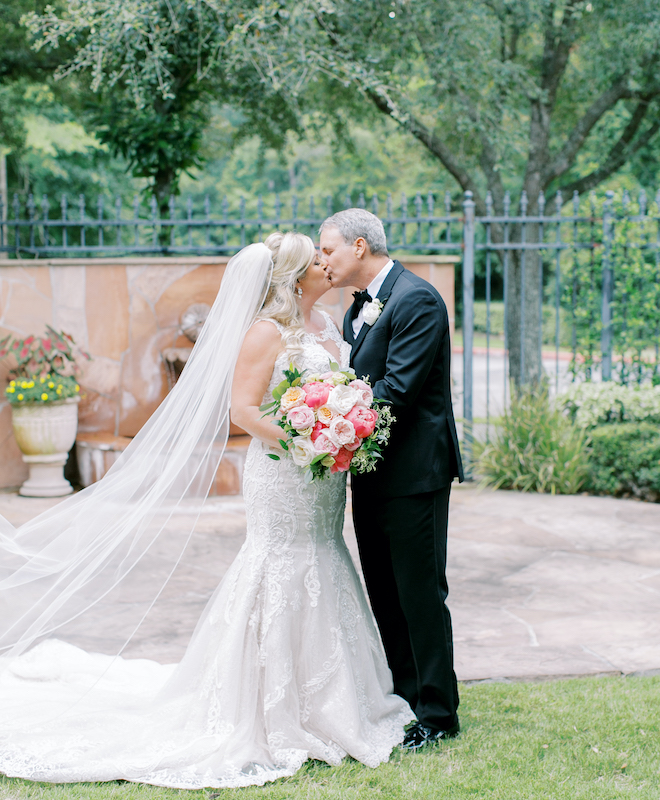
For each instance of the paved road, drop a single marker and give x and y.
(540, 586)
(489, 381)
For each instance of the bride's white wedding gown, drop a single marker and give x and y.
(285, 664)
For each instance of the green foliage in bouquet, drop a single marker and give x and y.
(46, 369)
(536, 449)
(625, 460)
(372, 447)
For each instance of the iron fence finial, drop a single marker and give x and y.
(559, 202)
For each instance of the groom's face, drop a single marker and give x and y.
(342, 262)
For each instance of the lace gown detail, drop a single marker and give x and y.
(285, 664)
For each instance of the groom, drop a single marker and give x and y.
(400, 511)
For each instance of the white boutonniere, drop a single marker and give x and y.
(371, 311)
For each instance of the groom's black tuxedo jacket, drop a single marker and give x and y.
(406, 356)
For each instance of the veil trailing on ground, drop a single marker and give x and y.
(88, 553)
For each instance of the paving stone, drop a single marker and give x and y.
(540, 586)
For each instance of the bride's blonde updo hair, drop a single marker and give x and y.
(292, 254)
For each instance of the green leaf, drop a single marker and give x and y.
(318, 458)
(334, 366)
(273, 456)
(285, 446)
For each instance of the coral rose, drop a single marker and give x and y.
(317, 430)
(316, 394)
(342, 461)
(301, 417)
(363, 419)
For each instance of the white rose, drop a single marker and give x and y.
(371, 311)
(341, 431)
(342, 399)
(338, 378)
(302, 451)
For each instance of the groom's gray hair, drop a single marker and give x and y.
(355, 223)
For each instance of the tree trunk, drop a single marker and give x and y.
(164, 186)
(523, 311)
(525, 269)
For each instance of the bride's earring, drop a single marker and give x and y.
(299, 291)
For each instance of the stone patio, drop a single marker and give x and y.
(541, 586)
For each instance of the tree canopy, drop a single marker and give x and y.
(544, 97)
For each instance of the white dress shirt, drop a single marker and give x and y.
(373, 289)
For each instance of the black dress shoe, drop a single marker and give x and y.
(418, 735)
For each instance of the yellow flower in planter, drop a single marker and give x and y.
(51, 385)
(11, 390)
(44, 396)
(24, 384)
(20, 397)
(30, 385)
(77, 388)
(42, 379)
(12, 383)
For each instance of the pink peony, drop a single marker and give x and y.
(301, 417)
(341, 431)
(324, 444)
(317, 430)
(363, 419)
(364, 391)
(342, 461)
(316, 394)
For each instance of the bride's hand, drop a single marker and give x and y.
(252, 375)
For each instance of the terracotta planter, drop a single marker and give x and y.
(45, 432)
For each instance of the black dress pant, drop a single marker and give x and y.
(403, 550)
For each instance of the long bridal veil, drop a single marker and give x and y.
(85, 559)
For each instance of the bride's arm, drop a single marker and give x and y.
(252, 375)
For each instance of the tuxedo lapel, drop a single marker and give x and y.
(383, 294)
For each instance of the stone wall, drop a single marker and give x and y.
(125, 312)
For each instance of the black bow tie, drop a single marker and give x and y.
(362, 297)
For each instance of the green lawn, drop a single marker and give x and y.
(577, 739)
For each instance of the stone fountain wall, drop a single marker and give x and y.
(125, 312)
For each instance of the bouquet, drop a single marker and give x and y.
(332, 422)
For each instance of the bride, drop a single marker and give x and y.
(285, 663)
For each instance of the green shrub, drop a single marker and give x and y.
(625, 460)
(536, 449)
(591, 404)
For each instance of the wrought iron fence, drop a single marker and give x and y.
(597, 260)
(187, 228)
